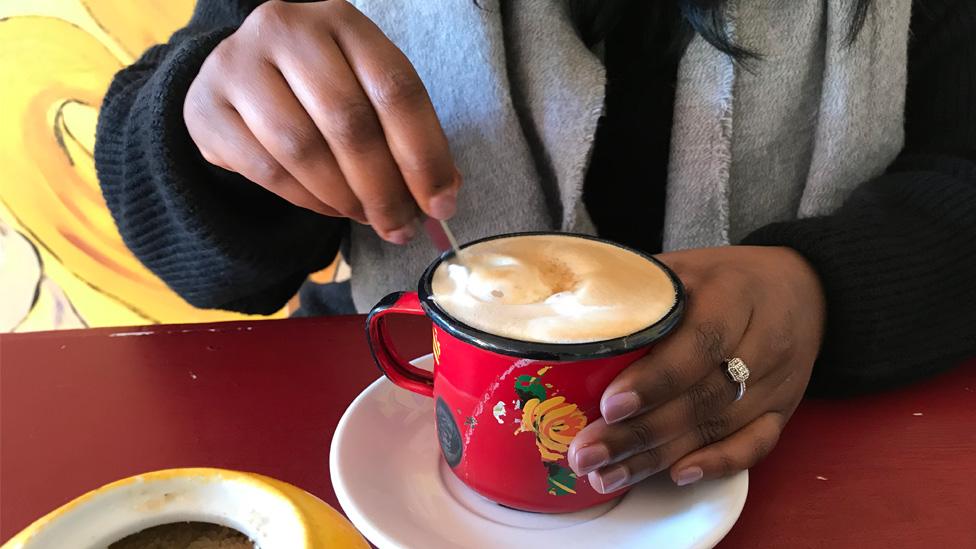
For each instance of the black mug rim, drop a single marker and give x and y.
(551, 351)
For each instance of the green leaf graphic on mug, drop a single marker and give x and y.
(562, 480)
(528, 387)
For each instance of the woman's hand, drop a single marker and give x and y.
(676, 407)
(312, 102)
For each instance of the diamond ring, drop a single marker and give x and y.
(738, 372)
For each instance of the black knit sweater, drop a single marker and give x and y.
(897, 261)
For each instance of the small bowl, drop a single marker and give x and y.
(272, 513)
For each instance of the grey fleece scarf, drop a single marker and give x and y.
(519, 96)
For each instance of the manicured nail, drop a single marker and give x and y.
(589, 458)
(620, 406)
(688, 476)
(404, 234)
(609, 480)
(444, 205)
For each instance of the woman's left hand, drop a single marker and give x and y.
(676, 407)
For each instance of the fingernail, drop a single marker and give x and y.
(402, 235)
(609, 480)
(688, 476)
(619, 406)
(444, 205)
(589, 458)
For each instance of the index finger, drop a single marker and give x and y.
(410, 124)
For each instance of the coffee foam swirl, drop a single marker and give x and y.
(553, 289)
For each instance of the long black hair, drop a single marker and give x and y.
(705, 17)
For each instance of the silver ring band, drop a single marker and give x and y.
(741, 391)
(738, 373)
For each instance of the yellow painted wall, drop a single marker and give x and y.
(57, 58)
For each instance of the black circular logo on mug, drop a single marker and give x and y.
(448, 434)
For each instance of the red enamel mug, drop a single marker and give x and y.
(506, 410)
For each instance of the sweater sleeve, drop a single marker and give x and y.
(898, 260)
(217, 239)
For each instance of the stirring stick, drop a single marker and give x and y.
(442, 237)
(451, 239)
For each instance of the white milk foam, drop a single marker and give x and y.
(553, 289)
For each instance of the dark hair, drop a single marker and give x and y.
(704, 17)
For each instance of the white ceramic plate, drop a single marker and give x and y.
(388, 474)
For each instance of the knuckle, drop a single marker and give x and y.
(269, 16)
(397, 88)
(641, 435)
(353, 125)
(704, 398)
(354, 211)
(726, 465)
(430, 171)
(221, 58)
(710, 339)
(341, 10)
(267, 172)
(669, 380)
(652, 461)
(298, 144)
(385, 207)
(713, 430)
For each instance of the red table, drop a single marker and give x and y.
(79, 409)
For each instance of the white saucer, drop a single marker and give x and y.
(388, 474)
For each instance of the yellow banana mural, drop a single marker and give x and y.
(57, 58)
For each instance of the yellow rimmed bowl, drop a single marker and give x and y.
(272, 513)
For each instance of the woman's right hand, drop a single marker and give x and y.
(312, 102)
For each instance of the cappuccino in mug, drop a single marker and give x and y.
(553, 288)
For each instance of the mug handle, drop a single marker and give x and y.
(399, 371)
